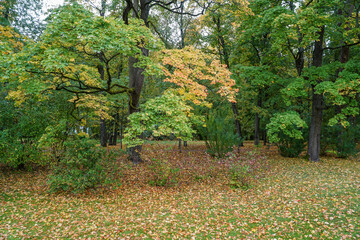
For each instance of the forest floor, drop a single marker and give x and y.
(296, 199)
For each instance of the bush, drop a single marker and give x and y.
(21, 154)
(79, 168)
(219, 133)
(286, 131)
(340, 140)
(163, 174)
(244, 171)
(346, 146)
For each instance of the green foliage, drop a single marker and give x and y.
(163, 174)
(79, 168)
(342, 141)
(20, 129)
(219, 132)
(244, 170)
(286, 131)
(164, 115)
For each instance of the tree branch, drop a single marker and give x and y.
(346, 45)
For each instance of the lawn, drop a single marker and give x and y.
(294, 199)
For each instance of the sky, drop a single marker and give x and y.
(52, 3)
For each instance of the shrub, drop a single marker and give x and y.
(340, 140)
(79, 168)
(244, 170)
(219, 133)
(163, 174)
(286, 131)
(21, 154)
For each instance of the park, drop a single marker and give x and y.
(180, 119)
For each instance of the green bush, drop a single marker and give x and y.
(340, 140)
(20, 154)
(286, 131)
(79, 168)
(20, 129)
(163, 174)
(219, 133)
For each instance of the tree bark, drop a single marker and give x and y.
(257, 130)
(136, 81)
(237, 123)
(317, 104)
(136, 77)
(257, 122)
(103, 134)
(315, 127)
(224, 56)
(115, 130)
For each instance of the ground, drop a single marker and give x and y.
(295, 199)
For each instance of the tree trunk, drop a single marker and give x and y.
(257, 122)
(317, 104)
(237, 123)
(136, 77)
(315, 127)
(136, 81)
(103, 134)
(224, 57)
(257, 130)
(115, 130)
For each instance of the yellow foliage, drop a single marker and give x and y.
(192, 66)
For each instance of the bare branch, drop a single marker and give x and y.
(346, 45)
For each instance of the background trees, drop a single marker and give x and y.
(280, 66)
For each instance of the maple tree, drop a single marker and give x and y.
(187, 69)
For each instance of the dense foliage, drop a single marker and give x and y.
(285, 72)
(259, 99)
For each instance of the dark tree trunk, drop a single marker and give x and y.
(136, 77)
(315, 127)
(299, 61)
(224, 56)
(237, 123)
(344, 58)
(257, 130)
(257, 122)
(103, 134)
(115, 130)
(136, 81)
(317, 104)
(265, 138)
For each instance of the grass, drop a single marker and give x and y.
(297, 199)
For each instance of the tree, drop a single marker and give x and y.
(73, 56)
(23, 16)
(296, 31)
(189, 70)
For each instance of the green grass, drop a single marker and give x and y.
(297, 199)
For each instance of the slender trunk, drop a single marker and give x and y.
(115, 130)
(317, 104)
(237, 123)
(265, 138)
(103, 134)
(182, 30)
(344, 58)
(257, 122)
(224, 56)
(257, 130)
